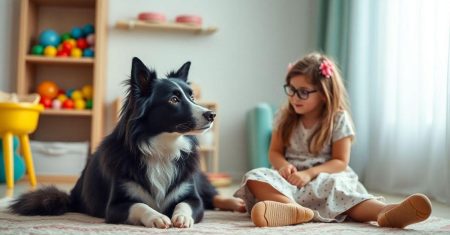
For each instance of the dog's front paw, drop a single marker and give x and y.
(157, 221)
(182, 221)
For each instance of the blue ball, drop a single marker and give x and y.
(19, 168)
(88, 29)
(76, 33)
(49, 38)
(15, 145)
(88, 52)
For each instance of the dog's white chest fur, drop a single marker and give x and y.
(160, 153)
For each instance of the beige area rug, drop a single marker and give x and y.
(214, 222)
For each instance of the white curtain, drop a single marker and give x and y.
(399, 84)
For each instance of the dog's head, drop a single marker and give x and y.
(155, 106)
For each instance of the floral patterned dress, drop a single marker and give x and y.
(328, 195)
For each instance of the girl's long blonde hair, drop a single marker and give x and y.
(336, 99)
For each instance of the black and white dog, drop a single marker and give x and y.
(146, 171)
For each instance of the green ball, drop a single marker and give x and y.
(65, 36)
(37, 50)
(89, 104)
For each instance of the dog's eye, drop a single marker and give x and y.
(174, 100)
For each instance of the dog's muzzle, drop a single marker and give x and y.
(209, 115)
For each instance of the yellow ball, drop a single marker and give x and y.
(87, 91)
(76, 52)
(76, 94)
(62, 97)
(72, 41)
(80, 104)
(50, 51)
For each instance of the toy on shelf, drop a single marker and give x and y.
(189, 20)
(53, 97)
(19, 164)
(152, 17)
(78, 43)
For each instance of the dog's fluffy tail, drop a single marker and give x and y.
(44, 201)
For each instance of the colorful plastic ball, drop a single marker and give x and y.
(61, 92)
(76, 53)
(72, 41)
(90, 39)
(88, 29)
(87, 91)
(49, 38)
(19, 167)
(37, 50)
(50, 51)
(82, 43)
(89, 104)
(48, 89)
(76, 33)
(88, 52)
(69, 92)
(65, 36)
(61, 97)
(80, 104)
(76, 94)
(56, 104)
(68, 104)
(46, 102)
(67, 46)
(62, 53)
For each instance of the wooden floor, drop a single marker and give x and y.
(439, 209)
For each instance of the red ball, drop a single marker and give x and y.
(82, 43)
(61, 92)
(67, 46)
(62, 53)
(46, 102)
(68, 104)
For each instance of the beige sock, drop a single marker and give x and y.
(413, 209)
(272, 214)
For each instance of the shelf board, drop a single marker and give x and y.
(58, 60)
(67, 112)
(207, 149)
(65, 3)
(170, 26)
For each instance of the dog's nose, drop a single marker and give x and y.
(209, 115)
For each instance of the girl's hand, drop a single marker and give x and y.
(286, 170)
(299, 178)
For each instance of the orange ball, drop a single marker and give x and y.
(48, 89)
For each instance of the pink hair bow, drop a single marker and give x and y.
(326, 68)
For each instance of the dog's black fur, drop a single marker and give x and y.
(146, 171)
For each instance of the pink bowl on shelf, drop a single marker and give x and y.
(189, 19)
(153, 17)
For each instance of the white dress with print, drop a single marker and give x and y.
(328, 195)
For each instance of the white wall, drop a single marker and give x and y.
(242, 64)
(9, 33)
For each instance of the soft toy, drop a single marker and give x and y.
(19, 164)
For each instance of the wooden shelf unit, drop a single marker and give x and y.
(166, 26)
(62, 16)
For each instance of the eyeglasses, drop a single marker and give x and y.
(302, 93)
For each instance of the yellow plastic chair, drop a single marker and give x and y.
(18, 119)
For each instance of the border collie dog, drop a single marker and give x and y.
(147, 170)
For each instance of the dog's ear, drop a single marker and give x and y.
(141, 78)
(182, 72)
